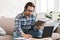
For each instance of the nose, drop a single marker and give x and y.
(30, 12)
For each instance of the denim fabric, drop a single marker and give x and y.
(31, 32)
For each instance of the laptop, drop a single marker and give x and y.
(47, 32)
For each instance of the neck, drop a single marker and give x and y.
(26, 15)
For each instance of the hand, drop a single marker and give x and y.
(38, 27)
(27, 35)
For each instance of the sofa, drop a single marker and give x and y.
(8, 25)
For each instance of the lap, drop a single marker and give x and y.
(32, 32)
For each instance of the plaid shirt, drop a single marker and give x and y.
(21, 22)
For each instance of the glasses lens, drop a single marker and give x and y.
(31, 10)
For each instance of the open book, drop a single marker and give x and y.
(39, 22)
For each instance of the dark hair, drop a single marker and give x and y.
(29, 4)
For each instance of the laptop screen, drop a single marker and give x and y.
(47, 31)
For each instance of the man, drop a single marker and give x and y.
(24, 23)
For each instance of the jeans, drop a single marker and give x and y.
(31, 32)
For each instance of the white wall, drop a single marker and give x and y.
(57, 5)
(10, 8)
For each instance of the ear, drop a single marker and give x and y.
(24, 9)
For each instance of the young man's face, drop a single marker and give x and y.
(29, 10)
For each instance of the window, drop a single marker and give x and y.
(44, 5)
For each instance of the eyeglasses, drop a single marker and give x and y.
(30, 10)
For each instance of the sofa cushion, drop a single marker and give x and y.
(7, 24)
(55, 36)
(58, 30)
(7, 37)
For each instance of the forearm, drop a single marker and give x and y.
(21, 32)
